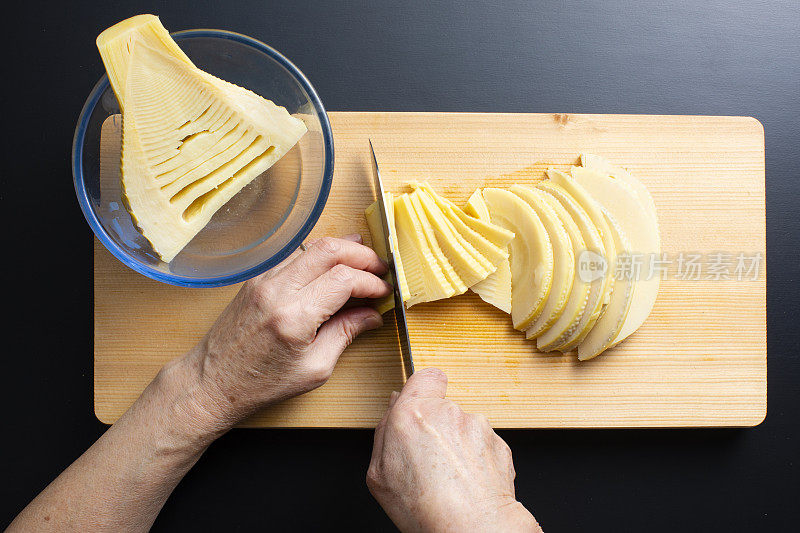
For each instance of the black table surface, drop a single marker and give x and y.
(713, 58)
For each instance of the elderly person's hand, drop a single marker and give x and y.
(284, 331)
(436, 468)
(281, 336)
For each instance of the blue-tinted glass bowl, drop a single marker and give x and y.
(256, 229)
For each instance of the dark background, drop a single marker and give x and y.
(726, 58)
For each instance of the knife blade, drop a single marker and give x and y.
(399, 309)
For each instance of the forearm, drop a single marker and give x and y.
(280, 337)
(123, 480)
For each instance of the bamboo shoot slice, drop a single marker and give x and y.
(610, 323)
(375, 225)
(563, 260)
(433, 243)
(495, 234)
(489, 250)
(579, 292)
(599, 220)
(425, 279)
(640, 227)
(476, 207)
(531, 255)
(603, 166)
(496, 288)
(568, 338)
(463, 239)
(467, 268)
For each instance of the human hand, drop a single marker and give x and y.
(436, 468)
(280, 336)
(284, 331)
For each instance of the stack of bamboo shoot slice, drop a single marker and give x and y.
(569, 258)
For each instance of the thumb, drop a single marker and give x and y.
(427, 383)
(393, 398)
(341, 329)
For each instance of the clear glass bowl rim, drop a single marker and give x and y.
(236, 277)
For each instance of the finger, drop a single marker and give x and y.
(378, 439)
(483, 424)
(512, 472)
(329, 292)
(271, 273)
(354, 237)
(337, 333)
(426, 383)
(377, 442)
(328, 252)
(503, 455)
(393, 398)
(274, 271)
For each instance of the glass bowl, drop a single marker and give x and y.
(260, 226)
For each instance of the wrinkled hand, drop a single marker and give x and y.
(436, 468)
(284, 331)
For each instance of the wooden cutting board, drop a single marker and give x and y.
(699, 360)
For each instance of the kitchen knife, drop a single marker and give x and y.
(399, 308)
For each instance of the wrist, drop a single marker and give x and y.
(194, 415)
(515, 517)
(504, 514)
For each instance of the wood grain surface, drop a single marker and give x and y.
(699, 360)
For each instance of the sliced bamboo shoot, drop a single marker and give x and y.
(608, 326)
(476, 206)
(433, 243)
(603, 166)
(564, 334)
(424, 276)
(563, 260)
(375, 225)
(484, 246)
(490, 231)
(466, 266)
(531, 255)
(579, 292)
(599, 220)
(640, 227)
(496, 288)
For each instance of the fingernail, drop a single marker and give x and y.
(373, 320)
(355, 237)
(393, 398)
